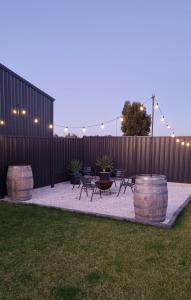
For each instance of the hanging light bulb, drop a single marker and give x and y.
(36, 120)
(84, 129)
(141, 108)
(178, 140)
(121, 119)
(66, 129)
(187, 144)
(182, 143)
(50, 126)
(23, 112)
(2, 122)
(168, 126)
(14, 111)
(173, 135)
(162, 119)
(102, 126)
(156, 106)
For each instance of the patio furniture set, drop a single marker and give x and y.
(89, 180)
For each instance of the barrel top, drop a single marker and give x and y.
(149, 177)
(19, 166)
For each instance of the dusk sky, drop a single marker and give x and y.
(93, 55)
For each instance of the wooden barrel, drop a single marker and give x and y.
(19, 183)
(150, 198)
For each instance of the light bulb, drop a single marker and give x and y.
(84, 129)
(168, 126)
(156, 106)
(50, 126)
(2, 122)
(162, 119)
(23, 112)
(121, 119)
(102, 126)
(173, 135)
(14, 111)
(178, 140)
(182, 143)
(187, 144)
(66, 129)
(35, 120)
(141, 108)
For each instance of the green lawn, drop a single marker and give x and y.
(51, 254)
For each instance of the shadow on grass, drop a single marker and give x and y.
(68, 292)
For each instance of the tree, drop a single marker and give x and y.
(135, 121)
(71, 135)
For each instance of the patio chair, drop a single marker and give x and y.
(87, 171)
(119, 175)
(129, 182)
(87, 184)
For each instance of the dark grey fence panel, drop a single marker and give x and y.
(49, 157)
(65, 149)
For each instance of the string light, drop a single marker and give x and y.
(187, 144)
(14, 111)
(182, 143)
(36, 120)
(102, 126)
(66, 129)
(162, 119)
(50, 126)
(178, 140)
(173, 135)
(23, 112)
(2, 122)
(121, 119)
(168, 126)
(141, 108)
(84, 129)
(156, 106)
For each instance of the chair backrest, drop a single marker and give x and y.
(120, 173)
(86, 180)
(87, 170)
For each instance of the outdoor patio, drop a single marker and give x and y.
(109, 206)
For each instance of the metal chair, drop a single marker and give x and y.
(87, 184)
(87, 171)
(129, 182)
(119, 175)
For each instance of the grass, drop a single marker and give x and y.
(50, 254)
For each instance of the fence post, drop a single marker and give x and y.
(52, 162)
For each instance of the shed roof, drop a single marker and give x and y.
(25, 81)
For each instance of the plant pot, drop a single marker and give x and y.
(104, 184)
(75, 178)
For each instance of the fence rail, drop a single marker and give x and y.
(49, 156)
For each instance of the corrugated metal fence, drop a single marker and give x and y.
(49, 157)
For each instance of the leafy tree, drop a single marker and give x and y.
(71, 135)
(135, 121)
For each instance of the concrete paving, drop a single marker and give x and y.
(64, 197)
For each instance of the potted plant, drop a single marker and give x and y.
(106, 164)
(74, 167)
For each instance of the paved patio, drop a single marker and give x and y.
(62, 196)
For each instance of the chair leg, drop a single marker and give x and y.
(115, 183)
(132, 188)
(87, 192)
(81, 193)
(125, 189)
(119, 190)
(92, 194)
(100, 193)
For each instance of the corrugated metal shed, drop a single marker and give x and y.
(29, 102)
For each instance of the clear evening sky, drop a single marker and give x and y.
(93, 55)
